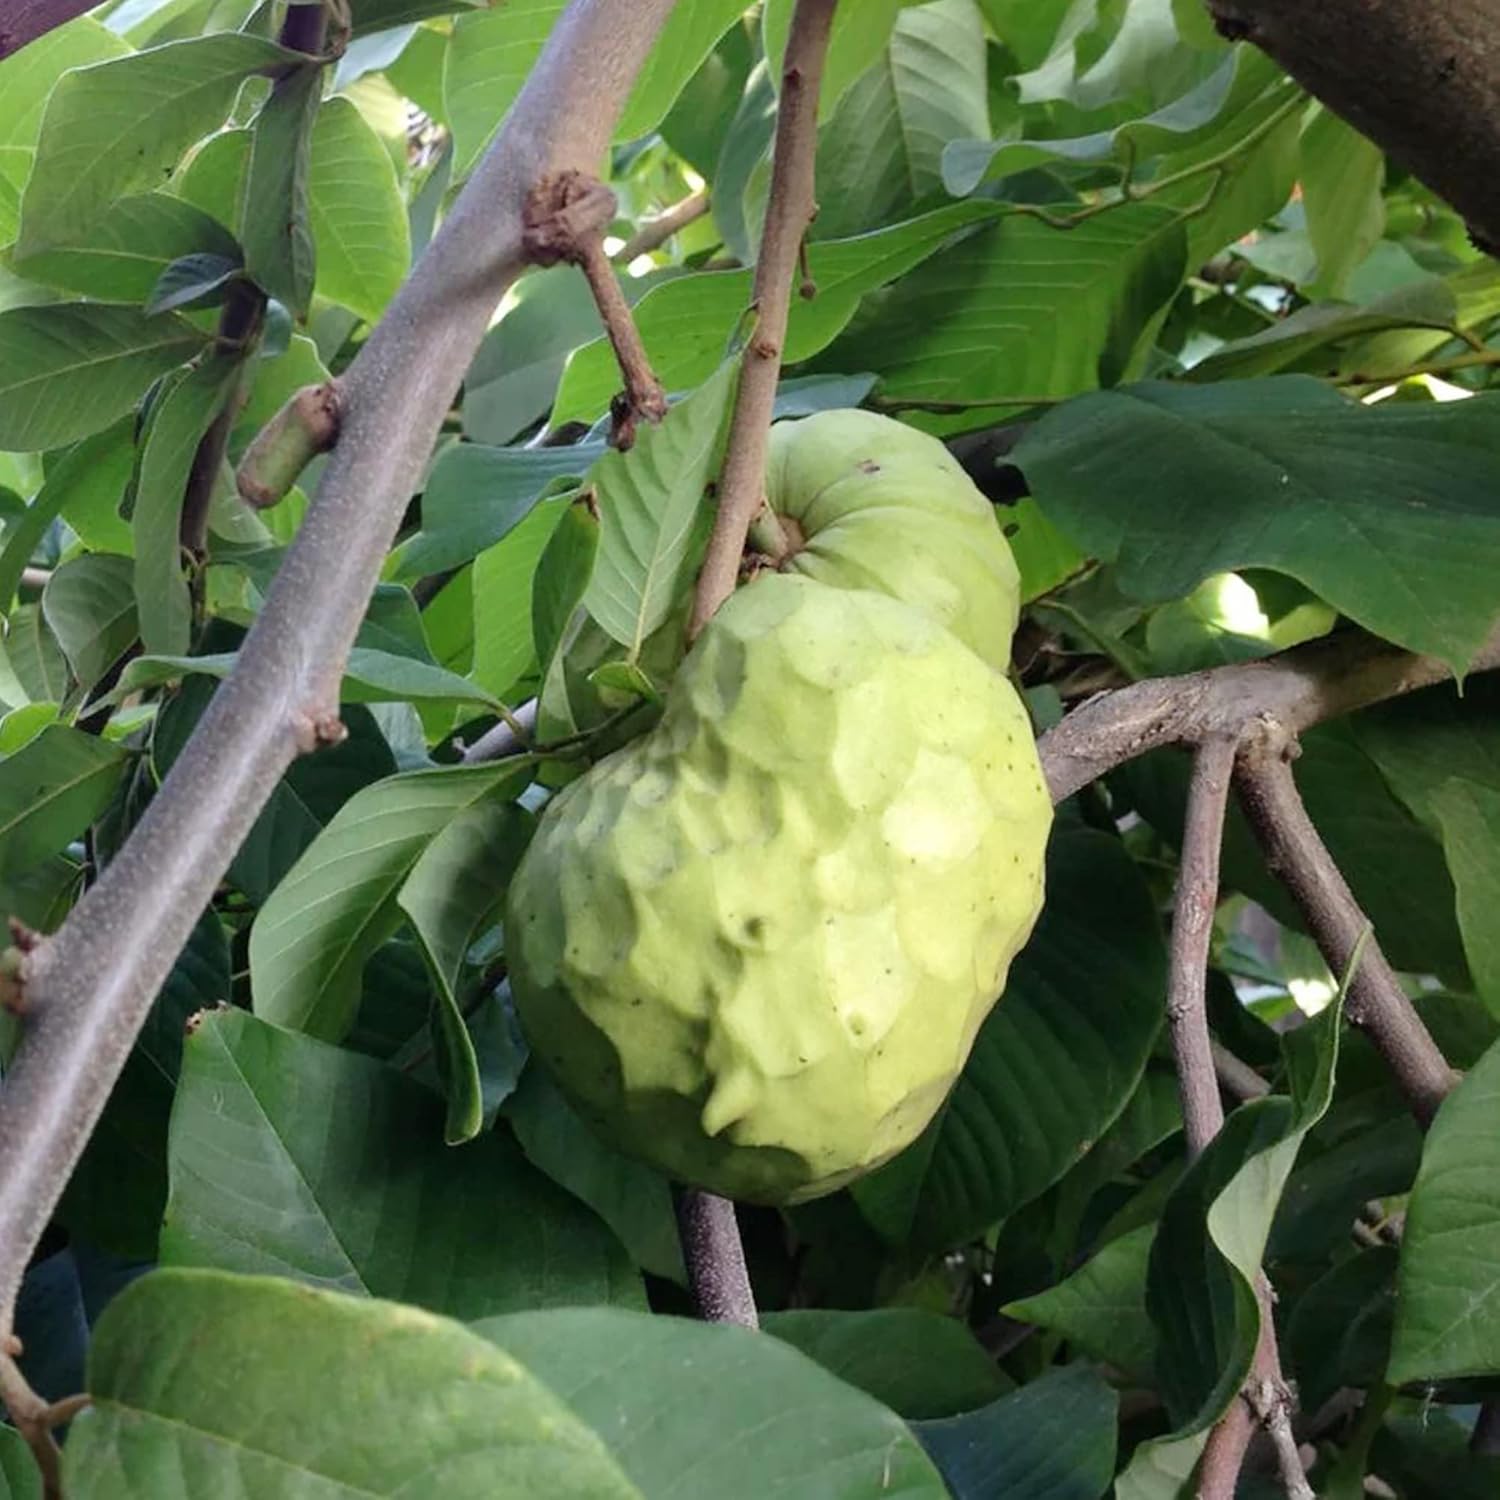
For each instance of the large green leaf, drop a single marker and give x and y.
(1052, 1440)
(276, 233)
(1054, 1062)
(69, 370)
(26, 78)
(1286, 474)
(687, 323)
(359, 221)
(686, 39)
(857, 39)
(1448, 1291)
(310, 943)
(882, 151)
(50, 791)
(205, 1383)
(119, 127)
(651, 510)
(453, 891)
(918, 1363)
(291, 1157)
(127, 249)
(694, 1409)
(1341, 178)
(1024, 310)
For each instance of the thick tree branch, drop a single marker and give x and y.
(715, 1259)
(1192, 931)
(789, 211)
(1298, 857)
(1296, 689)
(89, 986)
(1421, 78)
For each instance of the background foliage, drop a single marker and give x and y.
(1224, 369)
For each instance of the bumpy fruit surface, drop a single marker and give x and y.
(881, 506)
(754, 945)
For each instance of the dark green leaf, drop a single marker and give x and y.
(90, 606)
(50, 791)
(562, 577)
(291, 1157)
(194, 281)
(1340, 1329)
(277, 235)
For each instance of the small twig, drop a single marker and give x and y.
(715, 1258)
(1237, 1077)
(1475, 358)
(658, 230)
(566, 216)
(1273, 1406)
(506, 738)
(1298, 857)
(1192, 932)
(307, 425)
(35, 1418)
(789, 211)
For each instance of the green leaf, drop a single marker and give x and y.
(1054, 1063)
(370, 676)
(1206, 1258)
(1286, 474)
(1448, 1290)
(310, 943)
(686, 39)
(194, 281)
(857, 40)
(131, 246)
(1342, 176)
(1340, 1329)
(687, 323)
(359, 221)
(34, 657)
(1052, 1440)
(69, 370)
(918, 1363)
(50, 791)
(277, 236)
(776, 1423)
(381, 15)
(26, 79)
(476, 496)
(214, 1376)
(1021, 310)
(20, 1479)
(119, 127)
(291, 1157)
(214, 178)
(651, 503)
(562, 577)
(632, 1198)
(98, 466)
(89, 604)
(453, 891)
(1101, 1307)
(183, 412)
(1469, 817)
(115, 1197)
(504, 579)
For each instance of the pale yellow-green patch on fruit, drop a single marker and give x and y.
(754, 946)
(882, 506)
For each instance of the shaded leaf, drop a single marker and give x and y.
(89, 603)
(276, 234)
(291, 1157)
(50, 791)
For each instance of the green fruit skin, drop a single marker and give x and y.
(754, 945)
(885, 507)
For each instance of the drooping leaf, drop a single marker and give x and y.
(650, 505)
(563, 574)
(1285, 474)
(120, 126)
(1054, 1062)
(68, 371)
(50, 791)
(455, 887)
(1340, 1330)
(504, 578)
(309, 944)
(1448, 1289)
(858, 37)
(277, 235)
(194, 281)
(291, 1157)
(185, 409)
(777, 1424)
(685, 40)
(1341, 177)
(1054, 1439)
(216, 1376)
(89, 603)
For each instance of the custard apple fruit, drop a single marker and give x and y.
(754, 945)
(878, 505)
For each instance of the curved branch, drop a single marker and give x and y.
(89, 986)
(657, 231)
